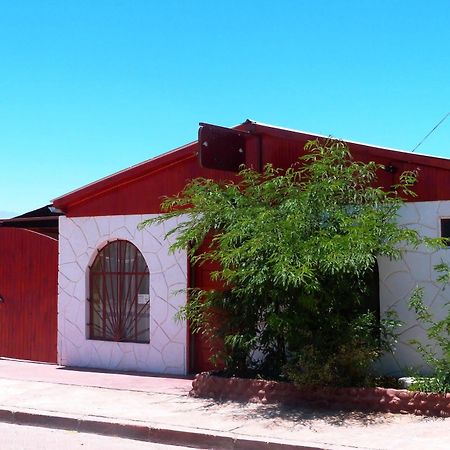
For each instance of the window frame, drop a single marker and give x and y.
(441, 234)
(115, 311)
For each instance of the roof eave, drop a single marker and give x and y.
(124, 176)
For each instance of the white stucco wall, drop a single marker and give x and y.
(399, 278)
(167, 352)
(79, 240)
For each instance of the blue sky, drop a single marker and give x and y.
(88, 88)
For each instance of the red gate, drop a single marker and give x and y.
(28, 295)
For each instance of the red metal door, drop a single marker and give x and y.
(202, 347)
(28, 295)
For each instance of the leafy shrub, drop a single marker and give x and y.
(435, 353)
(348, 359)
(296, 251)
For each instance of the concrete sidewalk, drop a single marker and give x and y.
(159, 409)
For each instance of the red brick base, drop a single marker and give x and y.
(373, 399)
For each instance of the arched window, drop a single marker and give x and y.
(119, 294)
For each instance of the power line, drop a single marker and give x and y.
(420, 143)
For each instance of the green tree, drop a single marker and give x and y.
(297, 249)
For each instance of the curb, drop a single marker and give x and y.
(149, 433)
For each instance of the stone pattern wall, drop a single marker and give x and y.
(399, 278)
(367, 399)
(80, 238)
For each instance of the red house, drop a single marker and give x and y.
(119, 288)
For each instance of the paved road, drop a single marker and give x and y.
(22, 437)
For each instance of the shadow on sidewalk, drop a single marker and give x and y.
(124, 372)
(304, 415)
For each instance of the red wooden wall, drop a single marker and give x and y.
(201, 346)
(141, 188)
(28, 288)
